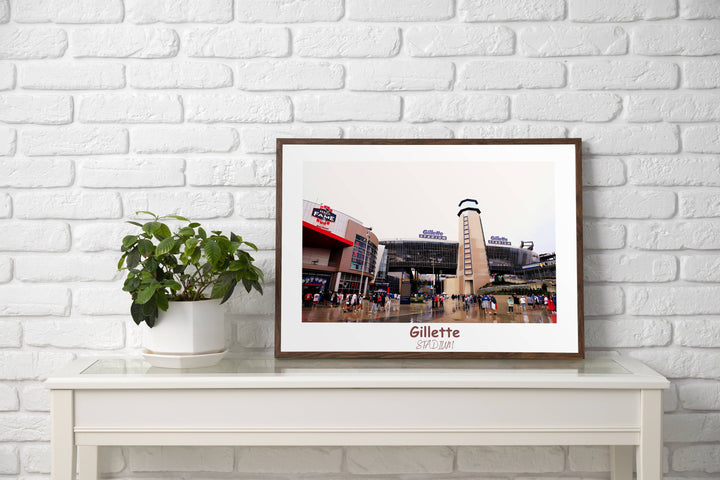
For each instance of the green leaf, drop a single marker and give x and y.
(138, 224)
(136, 311)
(186, 231)
(162, 301)
(194, 225)
(235, 238)
(238, 265)
(229, 292)
(151, 227)
(251, 245)
(217, 232)
(147, 213)
(248, 284)
(213, 252)
(122, 261)
(163, 232)
(221, 285)
(258, 287)
(133, 258)
(145, 294)
(165, 246)
(172, 285)
(202, 233)
(129, 241)
(177, 217)
(145, 247)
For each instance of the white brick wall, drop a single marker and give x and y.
(113, 106)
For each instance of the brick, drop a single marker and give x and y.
(35, 398)
(281, 11)
(237, 172)
(694, 40)
(36, 458)
(243, 303)
(255, 332)
(513, 131)
(603, 235)
(67, 205)
(703, 73)
(125, 42)
(42, 109)
(19, 427)
(621, 10)
(130, 108)
(181, 459)
(488, 75)
(9, 401)
(394, 75)
(675, 362)
(355, 41)
(8, 142)
(5, 205)
(452, 40)
(66, 268)
(189, 204)
(700, 268)
(67, 11)
(691, 427)
(603, 300)
(23, 43)
(627, 139)
(399, 460)
(457, 107)
(699, 9)
(263, 139)
(265, 170)
(72, 76)
(399, 131)
(628, 203)
(74, 140)
(7, 76)
(627, 333)
(100, 301)
(510, 459)
(178, 11)
(572, 107)
(677, 235)
(31, 365)
(289, 75)
(672, 171)
(36, 172)
(343, 107)
(76, 333)
(101, 236)
(184, 139)
(562, 41)
(255, 203)
(629, 268)
(6, 269)
(701, 139)
(623, 74)
(670, 399)
(699, 204)
(697, 458)
(603, 172)
(696, 300)
(9, 460)
(131, 172)
(700, 395)
(589, 459)
(35, 237)
(400, 10)
(697, 332)
(34, 301)
(211, 108)
(500, 10)
(180, 75)
(237, 42)
(276, 460)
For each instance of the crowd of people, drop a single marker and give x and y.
(351, 301)
(515, 303)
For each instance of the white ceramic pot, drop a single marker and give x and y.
(187, 328)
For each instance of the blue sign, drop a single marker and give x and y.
(324, 215)
(432, 235)
(496, 240)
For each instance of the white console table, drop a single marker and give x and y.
(604, 401)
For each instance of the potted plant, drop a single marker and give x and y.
(178, 281)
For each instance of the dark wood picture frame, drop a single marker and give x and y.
(298, 336)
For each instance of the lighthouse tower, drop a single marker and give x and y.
(473, 271)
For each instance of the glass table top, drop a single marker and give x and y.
(265, 366)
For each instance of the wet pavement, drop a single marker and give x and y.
(452, 311)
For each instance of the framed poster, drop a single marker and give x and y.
(429, 248)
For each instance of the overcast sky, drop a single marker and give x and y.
(399, 197)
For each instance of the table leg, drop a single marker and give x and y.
(621, 458)
(62, 437)
(87, 462)
(649, 452)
